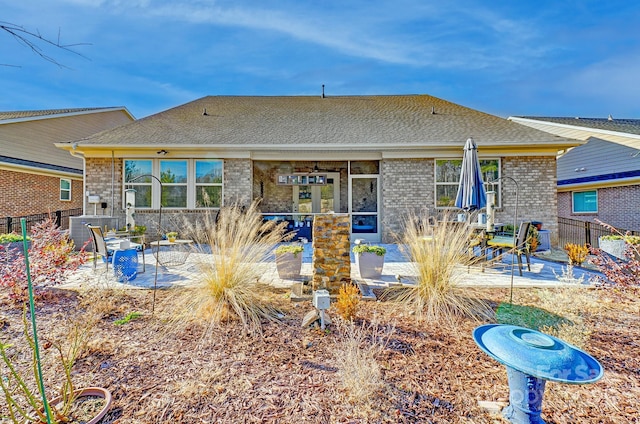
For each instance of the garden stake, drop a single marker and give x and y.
(32, 308)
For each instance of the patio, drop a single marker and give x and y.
(543, 273)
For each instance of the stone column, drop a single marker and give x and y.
(331, 255)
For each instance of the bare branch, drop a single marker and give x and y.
(35, 42)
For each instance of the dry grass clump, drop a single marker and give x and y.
(236, 244)
(439, 254)
(355, 351)
(347, 301)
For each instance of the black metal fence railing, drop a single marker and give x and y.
(11, 224)
(581, 232)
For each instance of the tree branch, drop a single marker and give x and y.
(35, 42)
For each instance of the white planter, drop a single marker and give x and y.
(613, 247)
(289, 265)
(369, 264)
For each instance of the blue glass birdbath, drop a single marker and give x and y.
(533, 358)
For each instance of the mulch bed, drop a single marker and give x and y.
(431, 373)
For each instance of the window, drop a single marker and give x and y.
(585, 201)
(65, 189)
(173, 174)
(208, 183)
(186, 183)
(448, 178)
(136, 176)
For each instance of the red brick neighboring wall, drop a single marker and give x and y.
(28, 194)
(617, 206)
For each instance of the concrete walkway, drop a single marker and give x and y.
(543, 273)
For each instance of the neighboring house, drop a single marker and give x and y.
(376, 158)
(35, 176)
(601, 178)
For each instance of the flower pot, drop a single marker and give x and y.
(369, 264)
(91, 391)
(615, 248)
(289, 265)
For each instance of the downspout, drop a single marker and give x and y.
(84, 179)
(113, 173)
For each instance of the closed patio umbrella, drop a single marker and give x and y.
(471, 194)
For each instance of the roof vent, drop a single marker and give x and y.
(204, 112)
(433, 110)
(610, 118)
(323, 91)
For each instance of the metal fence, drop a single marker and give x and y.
(581, 232)
(11, 224)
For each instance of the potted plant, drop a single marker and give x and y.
(369, 259)
(171, 236)
(88, 405)
(289, 261)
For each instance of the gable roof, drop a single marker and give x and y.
(337, 123)
(27, 138)
(611, 156)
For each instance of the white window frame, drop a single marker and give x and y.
(190, 184)
(63, 190)
(496, 185)
(573, 202)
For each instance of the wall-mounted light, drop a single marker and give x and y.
(315, 167)
(162, 152)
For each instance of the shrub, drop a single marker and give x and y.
(436, 259)
(296, 249)
(369, 248)
(51, 255)
(10, 238)
(347, 302)
(577, 253)
(533, 238)
(236, 246)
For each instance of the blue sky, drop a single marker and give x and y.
(543, 58)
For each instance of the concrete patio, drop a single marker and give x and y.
(544, 273)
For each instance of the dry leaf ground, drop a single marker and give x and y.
(159, 373)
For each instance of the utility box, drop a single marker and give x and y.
(321, 299)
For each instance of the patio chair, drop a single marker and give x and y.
(100, 246)
(499, 243)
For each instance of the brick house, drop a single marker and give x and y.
(375, 158)
(601, 178)
(35, 176)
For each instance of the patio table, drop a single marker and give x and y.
(171, 253)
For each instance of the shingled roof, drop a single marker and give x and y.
(26, 114)
(306, 122)
(629, 126)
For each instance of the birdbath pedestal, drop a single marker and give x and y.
(533, 358)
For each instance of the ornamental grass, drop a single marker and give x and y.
(440, 255)
(234, 247)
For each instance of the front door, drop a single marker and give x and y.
(364, 207)
(308, 199)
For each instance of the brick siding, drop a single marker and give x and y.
(617, 206)
(408, 186)
(28, 194)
